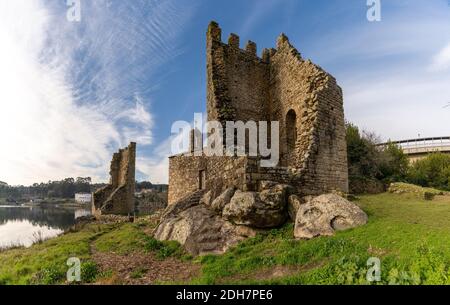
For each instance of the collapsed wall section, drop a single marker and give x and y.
(118, 196)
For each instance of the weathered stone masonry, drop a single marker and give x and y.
(118, 196)
(279, 86)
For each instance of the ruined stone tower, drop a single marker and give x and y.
(118, 196)
(278, 86)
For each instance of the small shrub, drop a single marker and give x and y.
(163, 249)
(138, 273)
(4, 280)
(169, 248)
(351, 197)
(50, 276)
(428, 196)
(152, 244)
(89, 272)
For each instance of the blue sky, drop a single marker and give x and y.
(77, 91)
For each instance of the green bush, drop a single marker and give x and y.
(50, 276)
(89, 272)
(163, 249)
(371, 167)
(432, 171)
(428, 196)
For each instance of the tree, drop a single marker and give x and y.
(394, 163)
(144, 185)
(361, 153)
(371, 166)
(432, 171)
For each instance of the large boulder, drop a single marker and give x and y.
(325, 214)
(266, 209)
(200, 230)
(220, 202)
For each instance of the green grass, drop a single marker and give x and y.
(130, 238)
(411, 237)
(122, 240)
(164, 249)
(138, 273)
(45, 263)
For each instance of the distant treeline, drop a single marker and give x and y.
(146, 185)
(65, 188)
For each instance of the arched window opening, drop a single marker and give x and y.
(291, 131)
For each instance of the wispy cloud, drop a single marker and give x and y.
(72, 93)
(441, 61)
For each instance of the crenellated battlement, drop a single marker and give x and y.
(233, 41)
(214, 35)
(251, 47)
(214, 32)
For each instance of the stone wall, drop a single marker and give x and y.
(219, 173)
(238, 80)
(184, 176)
(318, 155)
(280, 86)
(118, 196)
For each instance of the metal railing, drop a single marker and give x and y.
(422, 145)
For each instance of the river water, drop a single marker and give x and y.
(23, 226)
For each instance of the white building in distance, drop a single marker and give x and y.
(83, 198)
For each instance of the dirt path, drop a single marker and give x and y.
(141, 268)
(144, 268)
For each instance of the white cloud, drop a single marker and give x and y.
(400, 108)
(44, 134)
(384, 70)
(64, 106)
(441, 61)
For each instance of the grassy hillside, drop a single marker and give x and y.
(411, 237)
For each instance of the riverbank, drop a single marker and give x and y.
(410, 235)
(45, 203)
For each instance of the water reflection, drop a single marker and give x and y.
(25, 225)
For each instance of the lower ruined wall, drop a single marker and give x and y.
(118, 196)
(184, 176)
(224, 172)
(220, 173)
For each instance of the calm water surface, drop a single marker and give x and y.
(22, 225)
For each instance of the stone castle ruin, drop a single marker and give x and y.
(118, 196)
(278, 86)
(216, 201)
